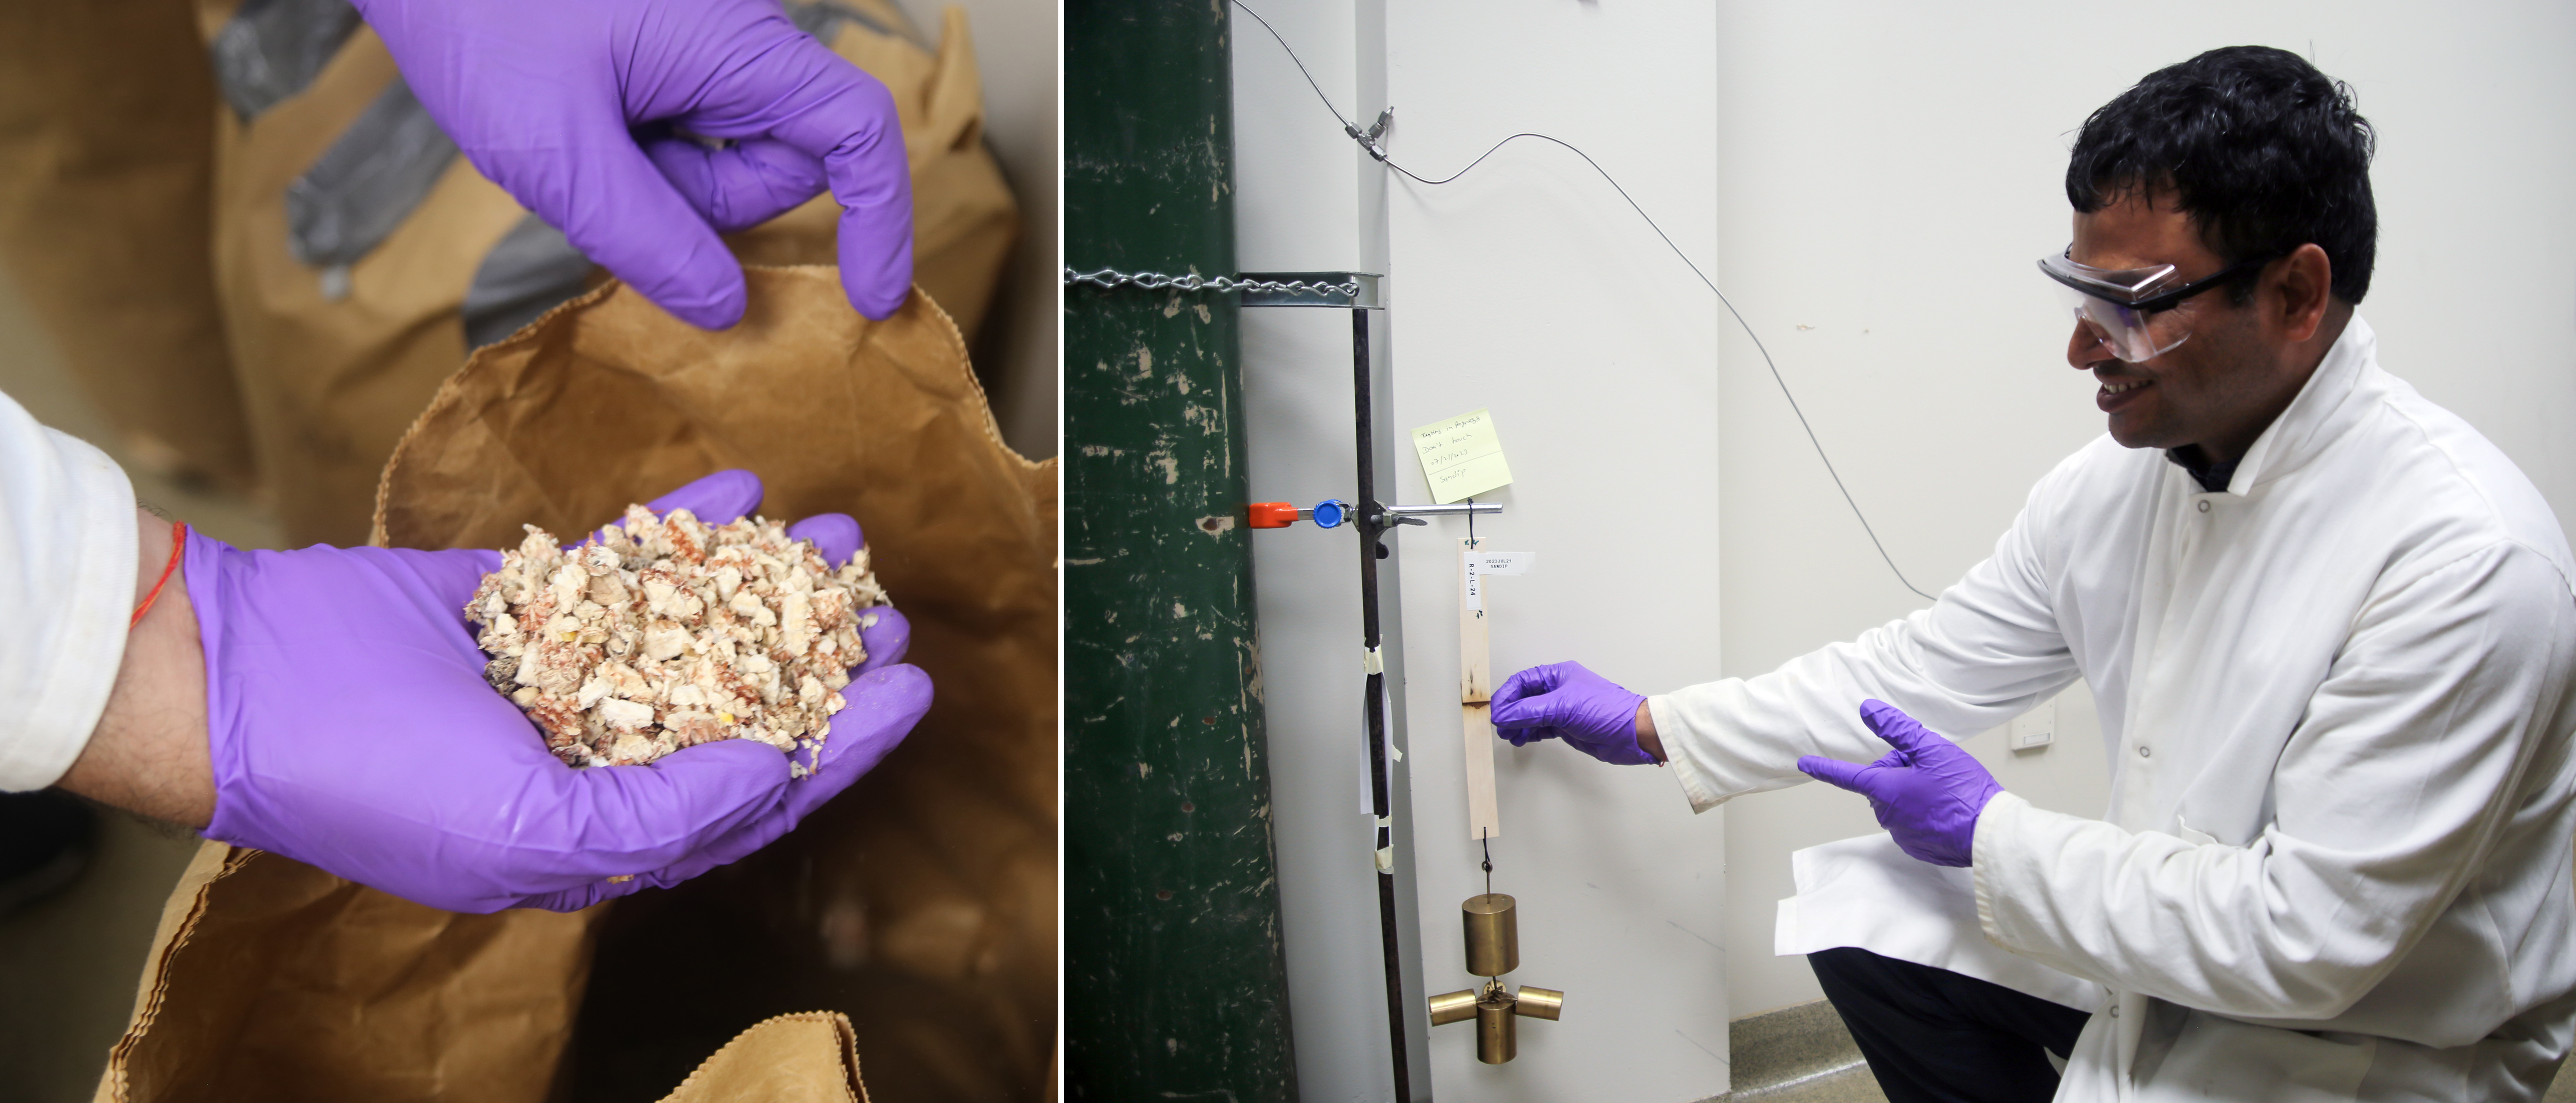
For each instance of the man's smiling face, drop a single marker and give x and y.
(2213, 388)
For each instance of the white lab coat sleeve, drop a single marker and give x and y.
(2388, 797)
(1988, 650)
(67, 549)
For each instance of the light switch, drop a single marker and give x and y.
(2036, 728)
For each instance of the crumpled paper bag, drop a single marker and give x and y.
(919, 906)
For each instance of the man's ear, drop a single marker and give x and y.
(2296, 293)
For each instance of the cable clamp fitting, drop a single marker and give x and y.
(1368, 138)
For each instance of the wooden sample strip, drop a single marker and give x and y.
(1475, 691)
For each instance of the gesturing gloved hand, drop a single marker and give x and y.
(1564, 700)
(350, 728)
(1927, 792)
(588, 111)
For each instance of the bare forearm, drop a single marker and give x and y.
(148, 754)
(1647, 740)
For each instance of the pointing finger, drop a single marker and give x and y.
(1891, 724)
(1837, 773)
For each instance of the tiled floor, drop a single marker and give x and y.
(69, 964)
(1799, 1054)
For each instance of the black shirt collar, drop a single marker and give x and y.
(2211, 477)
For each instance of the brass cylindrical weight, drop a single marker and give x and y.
(1453, 1007)
(1495, 1041)
(1493, 935)
(1539, 1003)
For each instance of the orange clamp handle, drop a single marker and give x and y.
(1273, 515)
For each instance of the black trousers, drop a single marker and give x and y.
(1934, 1036)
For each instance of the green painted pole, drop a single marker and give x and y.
(1176, 986)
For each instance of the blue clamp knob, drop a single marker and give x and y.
(1331, 512)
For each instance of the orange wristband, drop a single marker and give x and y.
(178, 545)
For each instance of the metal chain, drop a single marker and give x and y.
(1155, 281)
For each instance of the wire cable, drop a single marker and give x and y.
(1379, 153)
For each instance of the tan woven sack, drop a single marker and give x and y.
(358, 257)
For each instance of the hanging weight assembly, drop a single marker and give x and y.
(1493, 949)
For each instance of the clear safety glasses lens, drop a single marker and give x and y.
(2100, 299)
(2132, 336)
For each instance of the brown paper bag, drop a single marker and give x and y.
(919, 906)
(335, 356)
(261, 965)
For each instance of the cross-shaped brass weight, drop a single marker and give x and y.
(1493, 949)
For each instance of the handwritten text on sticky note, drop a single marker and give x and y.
(1462, 457)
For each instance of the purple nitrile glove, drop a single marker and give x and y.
(591, 113)
(1564, 700)
(350, 728)
(1927, 792)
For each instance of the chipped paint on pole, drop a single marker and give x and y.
(1175, 978)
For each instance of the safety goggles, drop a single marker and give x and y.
(2130, 309)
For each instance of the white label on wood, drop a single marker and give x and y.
(1477, 565)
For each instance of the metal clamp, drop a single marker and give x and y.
(1334, 512)
(1391, 516)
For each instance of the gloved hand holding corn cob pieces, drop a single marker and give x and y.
(354, 723)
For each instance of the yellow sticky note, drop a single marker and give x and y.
(1461, 456)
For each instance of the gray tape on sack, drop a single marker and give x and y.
(824, 20)
(531, 270)
(362, 188)
(271, 49)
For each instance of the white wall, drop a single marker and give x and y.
(1523, 288)
(1888, 174)
(1300, 206)
(1530, 288)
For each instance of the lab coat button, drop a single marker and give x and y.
(2115, 1011)
(2204, 505)
(2146, 752)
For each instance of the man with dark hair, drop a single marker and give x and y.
(2330, 630)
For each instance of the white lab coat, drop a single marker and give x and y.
(2337, 859)
(67, 548)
